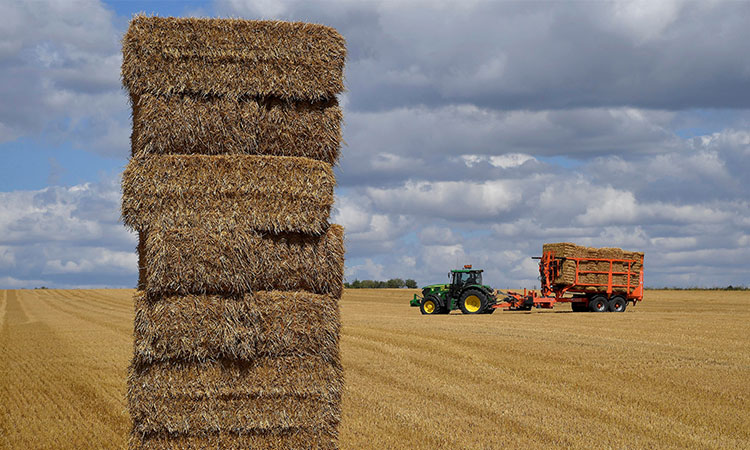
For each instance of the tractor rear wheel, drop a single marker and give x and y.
(473, 301)
(430, 305)
(617, 304)
(598, 303)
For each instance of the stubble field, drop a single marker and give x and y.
(672, 372)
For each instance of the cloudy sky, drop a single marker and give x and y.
(476, 131)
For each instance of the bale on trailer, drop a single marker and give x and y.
(267, 193)
(261, 324)
(588, 262)
(183, 261)
(184, 124)
(233, 58)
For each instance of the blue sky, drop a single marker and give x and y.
(476, 131)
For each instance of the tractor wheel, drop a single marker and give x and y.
(489, 310)
(430, 305)
(617, 304)
(598, 303)
(579, 306)
(473, 301)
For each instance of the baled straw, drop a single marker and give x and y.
(566, 277)
(291, 438)
(233, 58)
(183, 124)
(265, 193)
(182, 261)
(271, 394)
(261, 324)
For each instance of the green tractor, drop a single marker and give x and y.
(466, 292)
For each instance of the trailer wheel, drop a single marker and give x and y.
(430, 305)
(617, 304)
(598, 303)
(473, 301)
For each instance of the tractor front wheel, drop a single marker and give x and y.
(473, 301)
(429, 305)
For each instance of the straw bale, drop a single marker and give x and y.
(181, 261)
(263, 394)
(264, 323)
(141, 271)
(232, 57)
(268, 193)
(290, 438)
(567, 274)
(183, 124)
(270, 375)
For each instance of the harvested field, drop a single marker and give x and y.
(268, 193)
(671, 372)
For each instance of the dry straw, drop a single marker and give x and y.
(568, 272)
(182, 261)
(292, 438)
(280, 396)
(183, 124)
(267, 193)
(233, 58)
(261, 324)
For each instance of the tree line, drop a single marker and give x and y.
(393, 283)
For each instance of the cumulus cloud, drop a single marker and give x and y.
(59, 75)
(476, 132)
(66, 236)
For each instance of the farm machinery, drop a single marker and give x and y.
(623, 285)
(465, 292)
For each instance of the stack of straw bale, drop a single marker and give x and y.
(236, 128)
(567, 275)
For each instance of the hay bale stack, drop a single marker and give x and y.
(236, 127)
(567, 275)
(269, 193)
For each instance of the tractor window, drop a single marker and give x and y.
(467, 278)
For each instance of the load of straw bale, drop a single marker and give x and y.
(567, 276)
(236, 126)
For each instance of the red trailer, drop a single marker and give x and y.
(624, 284)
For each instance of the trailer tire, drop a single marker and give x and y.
(430, 305)
(617, 304)
(473, 301)
(598, 303)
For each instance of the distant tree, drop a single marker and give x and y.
(411, 284)
(356, 284)
(394, 283)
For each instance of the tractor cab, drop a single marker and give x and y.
(461, 278)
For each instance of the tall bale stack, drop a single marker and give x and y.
(567, 276)
(236, 127)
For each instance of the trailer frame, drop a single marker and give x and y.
(550, 267)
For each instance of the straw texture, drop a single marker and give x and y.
(236, 127)
(267, 394)
(182, 261)
(184, 124)
(267, 193)
(233, 58)
(261, 324)
(292, 438)
(567, 275)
